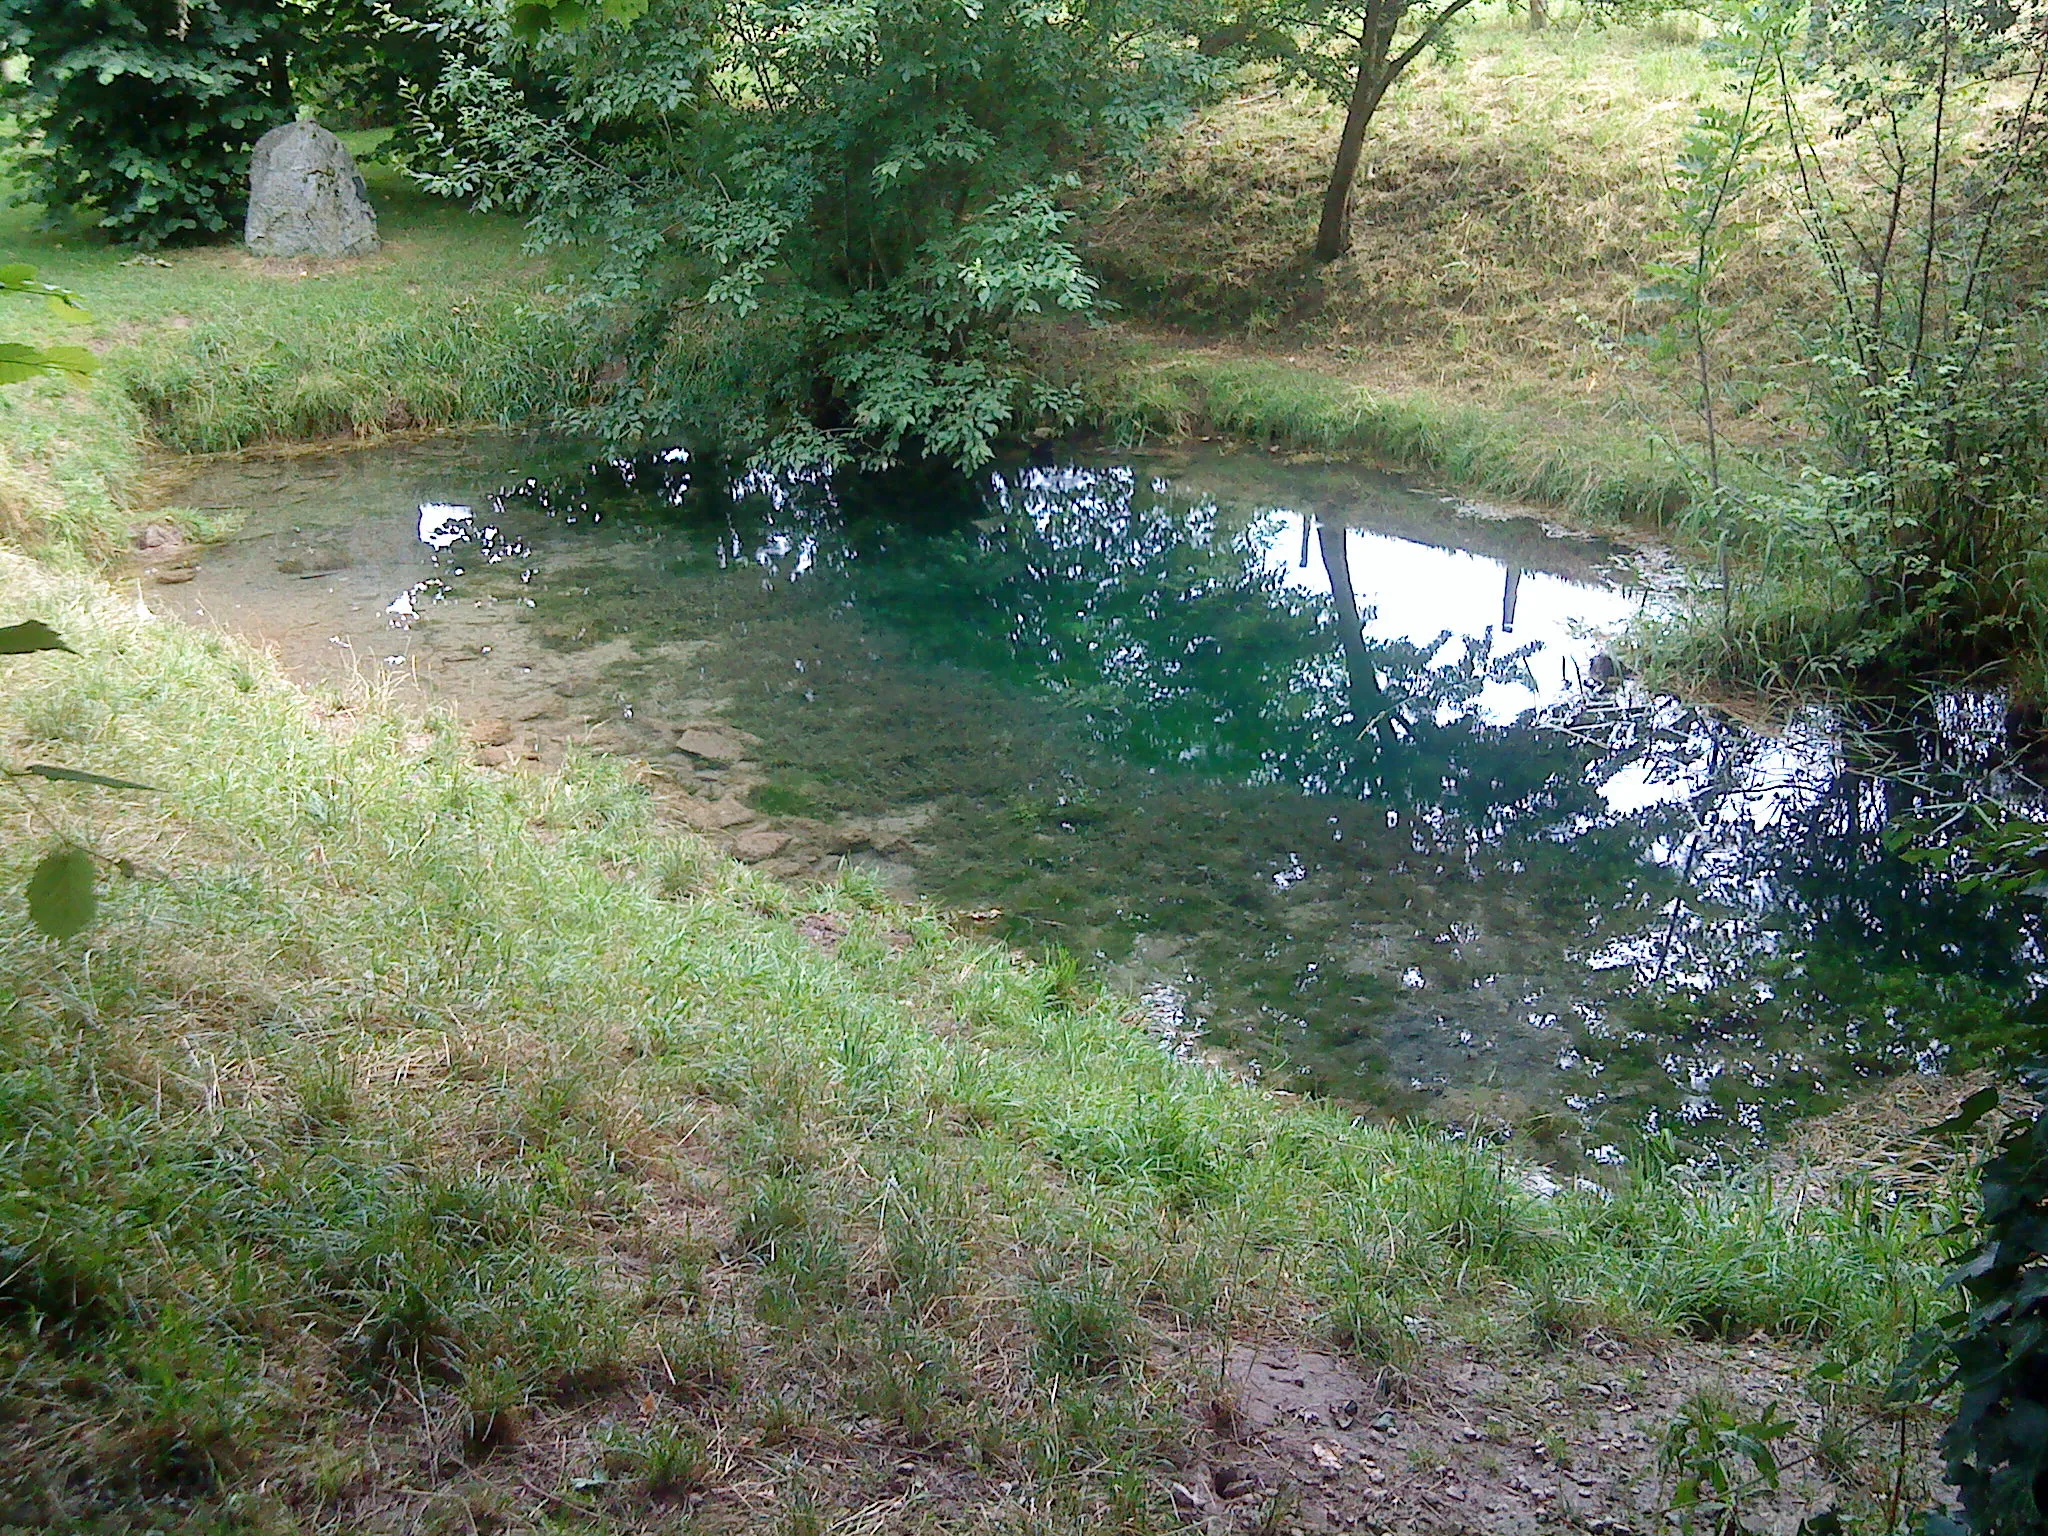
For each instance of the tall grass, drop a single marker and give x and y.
(1603, 476)
(360, 372)
(395, 1103)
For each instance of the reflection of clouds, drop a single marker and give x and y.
(404, 608)
(1776, 777)
(1411, 591)
(444, 523)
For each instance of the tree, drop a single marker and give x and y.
(816, 221)
(1356, 51)
(143, 111)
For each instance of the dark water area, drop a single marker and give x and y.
(1330, 774)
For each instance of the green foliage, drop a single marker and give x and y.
(28, 636)
(20, 361)
(1721, 1462)
(1996, 1345)
(62, 891)
(855, 205)
(61, 897)
(141, 112)
(1918, 545)
(1983, 845)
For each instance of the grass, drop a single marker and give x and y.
(411, 1146)
(1600, 476)
(399, 1110)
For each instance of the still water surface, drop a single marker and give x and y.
(1329, 772)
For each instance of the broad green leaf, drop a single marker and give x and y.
(80, 776)
(1968, 1113)
(61, 898)
(19, 361)
(30, 635)
(70, 359)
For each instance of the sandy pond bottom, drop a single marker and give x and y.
(1330, 772)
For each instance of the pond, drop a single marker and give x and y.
(1333, 776)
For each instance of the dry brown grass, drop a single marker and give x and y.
(1506, 208)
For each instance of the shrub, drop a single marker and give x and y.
(143, 111)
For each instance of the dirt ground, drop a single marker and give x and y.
(1302, 1441)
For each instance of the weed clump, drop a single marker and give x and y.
(1081, 1328)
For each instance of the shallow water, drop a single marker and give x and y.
(1324, 769)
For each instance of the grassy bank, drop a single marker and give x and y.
(410, 1143)
(416, 1147)
(1139, 388)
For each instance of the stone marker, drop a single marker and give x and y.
(305, 197)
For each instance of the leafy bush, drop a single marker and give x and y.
(143, 111)
(816, 225)
(1915, 138)
(1996, 1347)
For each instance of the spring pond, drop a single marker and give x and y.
(1330, 774)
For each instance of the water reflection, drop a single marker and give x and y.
(1370, 812)
(1320, 770)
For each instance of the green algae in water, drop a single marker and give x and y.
(1304, 759)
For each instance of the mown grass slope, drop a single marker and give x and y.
(413, 1142)
(1509, 203)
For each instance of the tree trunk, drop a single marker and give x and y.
(1368, 698)
(1333, 234)
(1539, 15)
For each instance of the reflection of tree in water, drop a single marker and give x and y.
(1163, 620)
(1742, 901)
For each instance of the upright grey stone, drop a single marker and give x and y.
(305, 197)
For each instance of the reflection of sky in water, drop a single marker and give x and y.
(1643, 848)
(1409, 590)
(443, 523)
(1780, 775)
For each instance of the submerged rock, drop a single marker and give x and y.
(314, 560)
(715, 744)
(306, 197)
